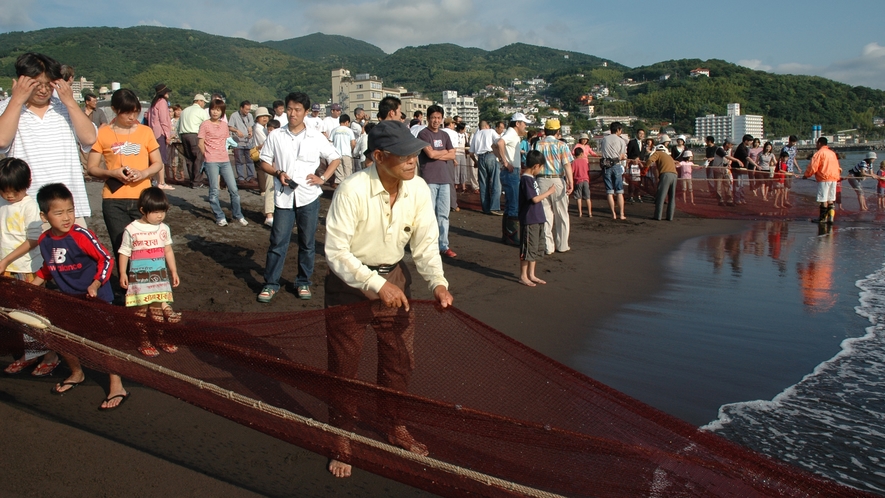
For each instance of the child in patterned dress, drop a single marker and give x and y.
(147, 253)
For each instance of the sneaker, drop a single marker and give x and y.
(304, 292)
(449, 253)
(242, 221)
(497, 213)
(269, 222)
(222, 222)
(266, 294)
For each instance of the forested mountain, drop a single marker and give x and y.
(186, 61)
(333, 51)
(189, 61)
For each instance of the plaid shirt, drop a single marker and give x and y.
(556, 156)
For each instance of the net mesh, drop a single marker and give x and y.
(498, 418)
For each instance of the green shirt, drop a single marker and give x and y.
(191, 119)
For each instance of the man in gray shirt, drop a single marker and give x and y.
(614, 150)
(240, 125)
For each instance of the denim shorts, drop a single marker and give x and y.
(613, 178)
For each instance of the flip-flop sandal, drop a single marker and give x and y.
(45, 369)
(169, 348)
(72, 385)
(19, 365)
(171, 315)
(123, 398)
(149, 351)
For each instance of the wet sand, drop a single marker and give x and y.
(156, 445)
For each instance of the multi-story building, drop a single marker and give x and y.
(461, 106)
(733, 125)
(363, 90)
(414, 102)
(78, 86)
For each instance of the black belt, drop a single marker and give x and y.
(383, 269)
(483, 153)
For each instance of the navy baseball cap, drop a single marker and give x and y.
(394, 137)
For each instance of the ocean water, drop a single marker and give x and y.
(773, 338)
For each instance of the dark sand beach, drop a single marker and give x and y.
(157, 445)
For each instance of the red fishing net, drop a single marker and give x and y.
(497, 417)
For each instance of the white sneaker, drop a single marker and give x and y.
(243, 221)
(221, 223)
(269, 222)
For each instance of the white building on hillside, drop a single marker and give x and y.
(733, 125)
(461, 106)
(363, 90)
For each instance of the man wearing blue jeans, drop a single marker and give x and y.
(482, 147)
(435, 166)
(508, 150)
(292, 155)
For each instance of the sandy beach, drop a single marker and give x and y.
(157, 445)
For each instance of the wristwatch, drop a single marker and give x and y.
(323, 178)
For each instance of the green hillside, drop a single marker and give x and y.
(434, 68)
(333, 51)
(186, 61)
(790, 103)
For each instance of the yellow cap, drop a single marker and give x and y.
(551, 124)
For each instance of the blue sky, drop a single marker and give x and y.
(841, 41)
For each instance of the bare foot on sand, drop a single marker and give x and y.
(538, 280)
(526, 282)
(339, 469)
(623, 217)
(400, 436)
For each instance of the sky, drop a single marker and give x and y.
(841, 41)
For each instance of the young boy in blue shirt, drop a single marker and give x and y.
(531, 219)
(80, 265)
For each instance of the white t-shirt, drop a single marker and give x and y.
(315, 123)
(20, 222)
(511, 148)
(341, 138)
(329, 124)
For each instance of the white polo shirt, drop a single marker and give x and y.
(297, 155)
(49, 146)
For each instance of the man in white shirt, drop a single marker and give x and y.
(484, 153)
(508, 150)
(343, 140)
(279, 111)
(313, 120)
(46, 131)
(331, 122)
(292, 155)
(374, 214)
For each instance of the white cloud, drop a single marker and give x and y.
(754, 64)
(264, 30)
(152, 22)
(14, 14)
(866, 70)
(392, 24)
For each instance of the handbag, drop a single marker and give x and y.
(254, 154)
